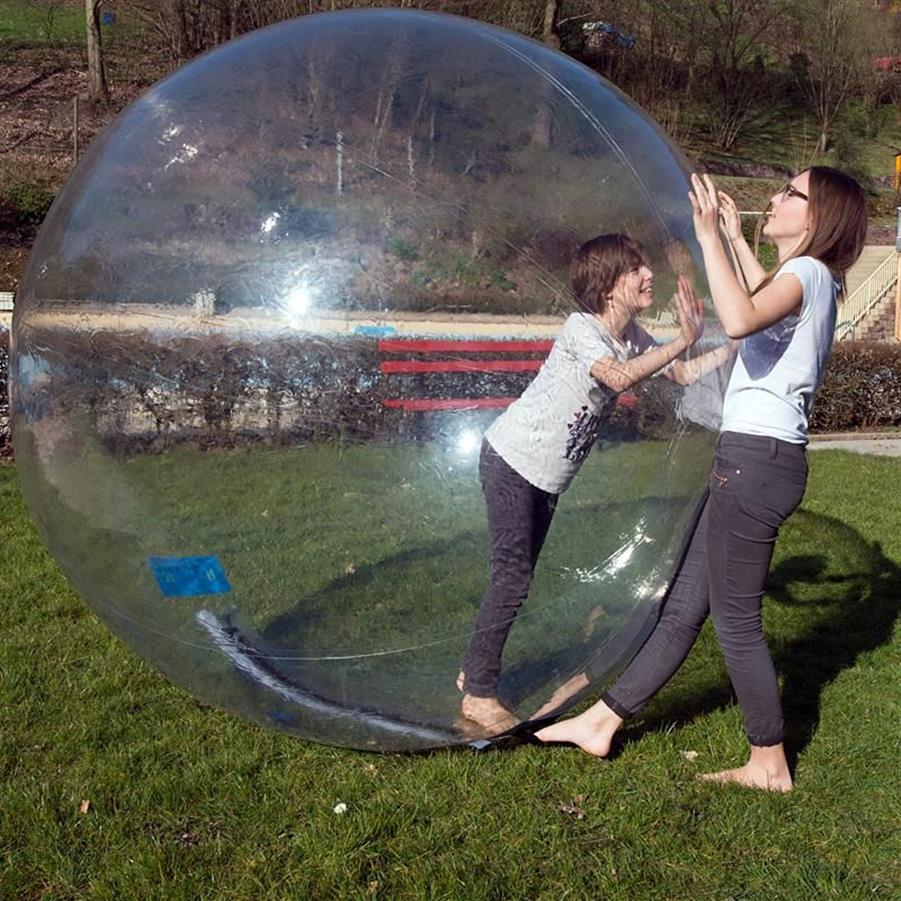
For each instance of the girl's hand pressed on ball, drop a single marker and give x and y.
(690, 311)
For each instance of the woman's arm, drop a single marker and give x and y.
(747, 261)
(740, 313)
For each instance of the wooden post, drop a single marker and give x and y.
(339, 163)
(432, 139)
(75, 128)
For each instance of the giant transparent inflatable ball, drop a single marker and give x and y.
(263, 330)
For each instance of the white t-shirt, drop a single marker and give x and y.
(778, 369)
(548, 431)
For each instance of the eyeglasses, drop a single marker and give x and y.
(790, 191)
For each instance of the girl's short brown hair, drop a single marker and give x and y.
(596, 266)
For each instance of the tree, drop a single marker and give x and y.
(661, 71)
(827, 62)
(50, 8)
(877, 89)
(97, 85)
(549, 32)
(735, 32)
(178, 24)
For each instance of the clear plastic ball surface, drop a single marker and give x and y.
(264, 328)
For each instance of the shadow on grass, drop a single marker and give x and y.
(828, 608)
(401, 574)
(422, 600)
(860, 619)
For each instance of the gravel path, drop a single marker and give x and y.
(884, 445)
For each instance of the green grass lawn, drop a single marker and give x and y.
(54, 24)
(352, 568)
(118, 785)
(41, 23)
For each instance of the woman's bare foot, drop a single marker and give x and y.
(592, 730)
(567, 690)
(766, 769)
(488, 713)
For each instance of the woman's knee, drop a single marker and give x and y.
(740, 635)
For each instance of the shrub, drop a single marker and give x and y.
(403, 250)
(6, 448)
(30, 200)
(861, 388)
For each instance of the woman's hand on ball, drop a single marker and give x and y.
(729, 217)
(705, 208)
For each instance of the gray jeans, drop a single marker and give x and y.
(755, 485)
(519, 516)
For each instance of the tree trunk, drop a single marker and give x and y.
(541, 124)
(97, 86)
(549, 33)
(178, 23)
(234, 11)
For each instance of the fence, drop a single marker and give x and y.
(857, 306)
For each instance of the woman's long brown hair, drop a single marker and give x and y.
(838, 223)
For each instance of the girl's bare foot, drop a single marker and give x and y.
(488, 713)
(766, 769)
(592, 730)
(752, 777)
(564, 693)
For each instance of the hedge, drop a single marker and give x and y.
(145, 396)
(6, 448)
(861, 388)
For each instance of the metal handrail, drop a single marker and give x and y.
(858, 304)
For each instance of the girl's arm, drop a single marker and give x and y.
(740, 313)
(687, 372)
(747, 261)
(620, 376)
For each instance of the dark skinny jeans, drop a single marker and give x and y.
(519, 516)
(755, 485)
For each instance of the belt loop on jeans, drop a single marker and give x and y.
(774, 448)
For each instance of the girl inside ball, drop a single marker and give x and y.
(531, 452)
(784, 325)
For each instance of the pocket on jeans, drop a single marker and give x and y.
(771, 500)
(726, 473)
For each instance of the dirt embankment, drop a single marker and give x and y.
(38, 87)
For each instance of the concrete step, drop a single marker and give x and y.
(880, 324)
(873, 256)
